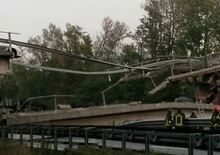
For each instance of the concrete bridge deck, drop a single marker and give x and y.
(104, 115)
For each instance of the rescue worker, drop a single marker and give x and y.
(193, 115)
(168, 119)
(215, 118)
(179, 118)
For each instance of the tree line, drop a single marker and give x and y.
(180, 27)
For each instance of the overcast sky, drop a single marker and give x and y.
(29, 17)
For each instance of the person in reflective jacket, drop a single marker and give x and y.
(193, 115)
(168, 119)
(179, 118)
(215, 118)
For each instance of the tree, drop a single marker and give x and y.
(72, 40)
(199, 31)
(34, 82)
(178, 27)
(107, 43)
(158, 30)
(130, 54)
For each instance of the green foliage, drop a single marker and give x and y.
(7, 148)
(168, 26)
(130, 56)
(200, 25)
(179, 27)
(166, 95)
(107, 43)
(25, 83)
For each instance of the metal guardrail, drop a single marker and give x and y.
(189, 123)
(55, 136)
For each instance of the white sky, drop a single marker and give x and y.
(29, 17)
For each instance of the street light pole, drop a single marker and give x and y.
(9, 38)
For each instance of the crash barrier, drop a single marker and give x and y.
(68, 137)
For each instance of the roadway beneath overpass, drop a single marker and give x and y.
(104, 115)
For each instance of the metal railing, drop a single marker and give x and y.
(64, 137)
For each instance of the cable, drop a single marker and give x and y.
(72, 71)
(29, 45)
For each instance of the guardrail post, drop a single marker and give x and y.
(86, 138)
(147, 142)
(31, 137)
(7, 132)
(11, 133)
(3, 133)
(210, 145)
(21, 135)
(191, 144)
(47, 140)
(70, 139)
(124, 135)
(42, 138)
(55, 138)
(103, 139)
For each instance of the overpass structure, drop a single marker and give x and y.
(112, 115)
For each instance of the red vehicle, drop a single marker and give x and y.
(216, 103)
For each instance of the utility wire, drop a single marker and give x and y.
(72, 71)
(42, 48)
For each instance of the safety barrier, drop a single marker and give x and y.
(68, 137)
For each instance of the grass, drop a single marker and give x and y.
(13, 149)
(17, 149)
